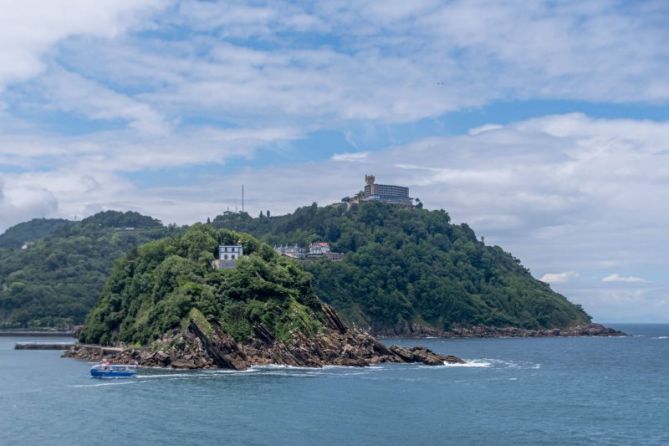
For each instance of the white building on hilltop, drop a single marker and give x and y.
(228, 256)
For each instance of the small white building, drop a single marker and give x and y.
(319, 248)
(228, 256)
(294, 252)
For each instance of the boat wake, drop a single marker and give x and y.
(487, 363)
(103, 384)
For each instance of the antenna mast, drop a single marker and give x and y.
(242, 198)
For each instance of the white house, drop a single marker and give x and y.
(228, 256)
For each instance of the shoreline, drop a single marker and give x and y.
(205, 344)
(423, 332)
(484, 331)
(37, 334)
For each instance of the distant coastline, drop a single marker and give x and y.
(419, 331)
(37, 333)
(483, 331)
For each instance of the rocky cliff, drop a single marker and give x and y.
(168, 303)
(207, 345)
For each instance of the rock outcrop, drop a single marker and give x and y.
(484, 331)
(207, 345)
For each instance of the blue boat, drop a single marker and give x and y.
(107, 370)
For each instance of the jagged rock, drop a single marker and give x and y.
(208, 345)
(333, 320)
(222, 347)
(263, 334)
(184, 364)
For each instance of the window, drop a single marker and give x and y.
(225, 257)
(232, 257)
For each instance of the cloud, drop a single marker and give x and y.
(30, 27)
(618, 278)
(70, 92)
(559, 277)
(484, 128)
(350, 156)
(640, 304)
(23, 202)
(327, 65)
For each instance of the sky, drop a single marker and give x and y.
(544, 125)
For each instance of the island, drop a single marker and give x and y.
(386, 267)
(186, 302)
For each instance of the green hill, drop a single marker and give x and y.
(164, 284)
(26, 232)
(410, 268)
(404, 269)
(57, 278)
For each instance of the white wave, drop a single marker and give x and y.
(282, 366)
(489, 363)
(166, 375)
(103, 384)
(471, 363)
(661, 337)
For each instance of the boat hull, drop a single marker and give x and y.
(98, 373)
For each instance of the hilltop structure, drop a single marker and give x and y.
(382, 193)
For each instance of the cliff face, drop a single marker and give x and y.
(207, 345)
(167, 302)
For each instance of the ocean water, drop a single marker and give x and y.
(513, 391)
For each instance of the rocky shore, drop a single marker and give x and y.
(483, 331)
(207, 345)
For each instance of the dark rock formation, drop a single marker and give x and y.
(210, 346)
(484, 331)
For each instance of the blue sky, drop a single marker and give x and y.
(544, 125)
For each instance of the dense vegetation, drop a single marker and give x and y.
(57, 278)
(16, 236)
(412, 266)
(165, 284)
(402, 266)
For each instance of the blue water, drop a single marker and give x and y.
(515, 391)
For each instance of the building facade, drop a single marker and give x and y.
(294, 251)
(228, 256)
(386, 193)
(319, 248)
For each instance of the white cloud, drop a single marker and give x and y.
(618, 278)
(28, 28)
(484, 128)
(623, 305)
(329, 64)
(559, 277)
(21, 202)
(71, 92)
(350, 156)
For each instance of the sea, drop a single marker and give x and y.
(542, 391)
